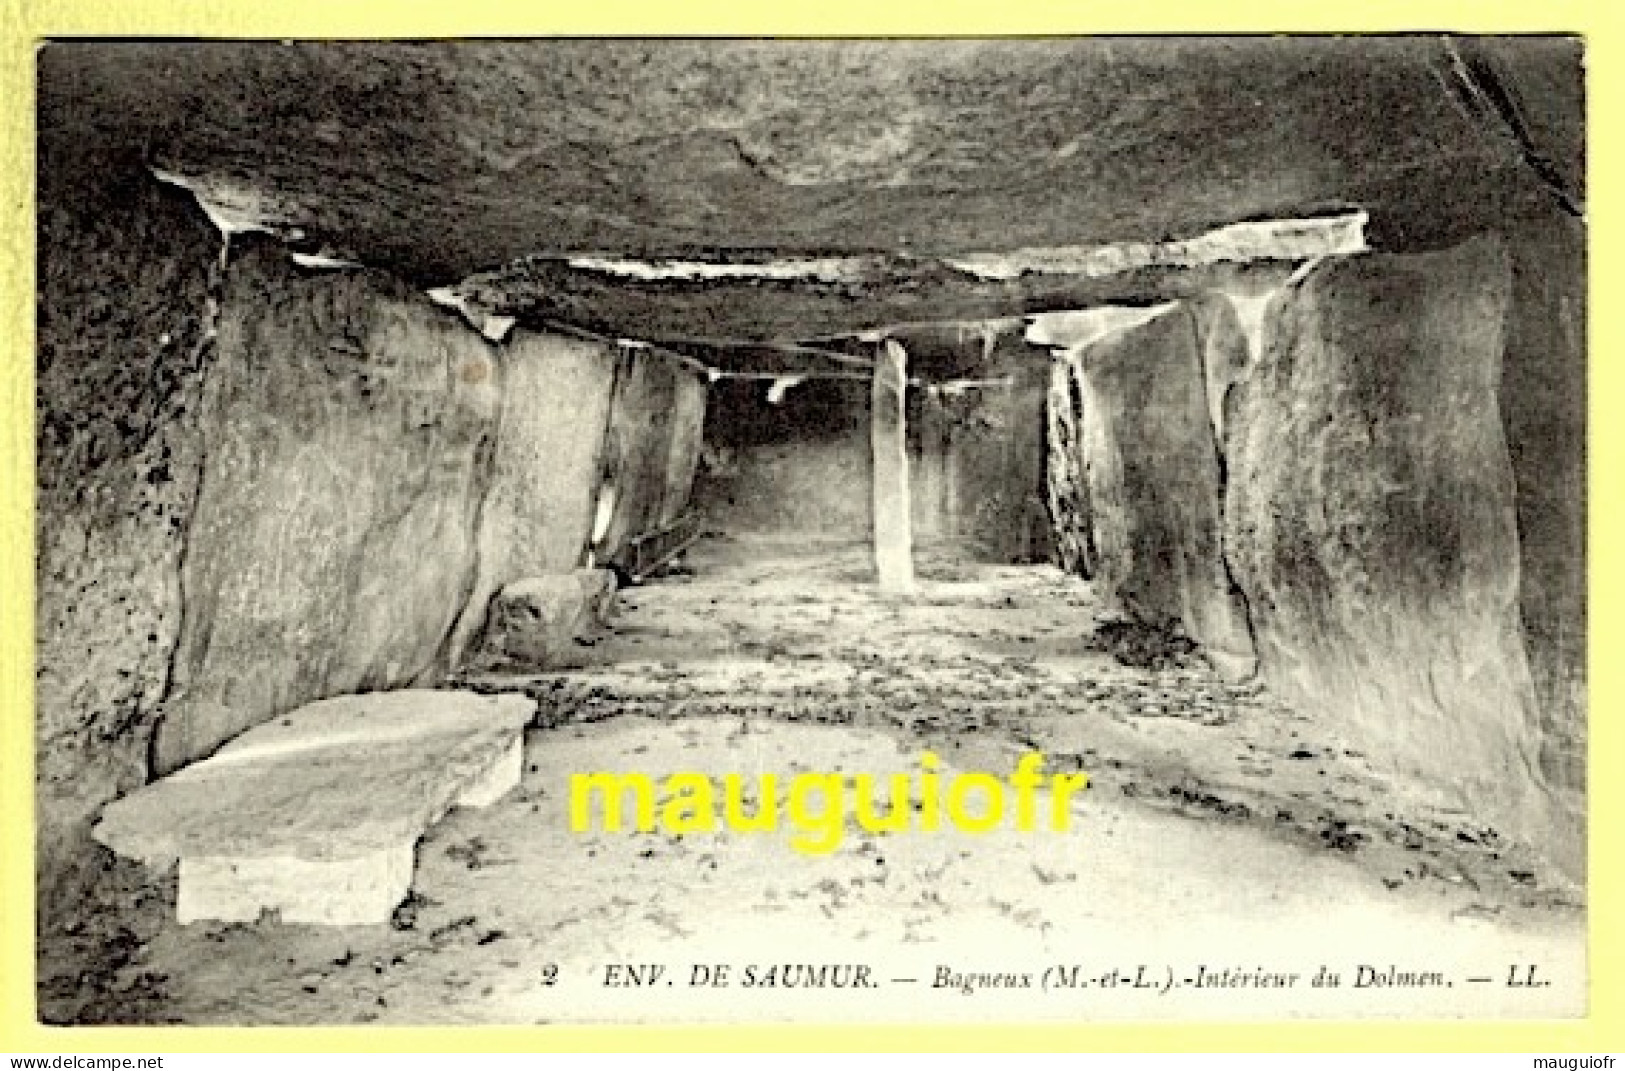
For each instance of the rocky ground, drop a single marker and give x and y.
(1220, 831)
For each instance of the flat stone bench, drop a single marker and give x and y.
(317, 814)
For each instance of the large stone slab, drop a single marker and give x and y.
(994, 465)
(314, 814)
(1372, 522)
(977, 441)
(687, 434)
(341, 892)
(638, 447)
(347, 434)
(1543, 405)
(1154, 477)
(537, 513)
(127, 278)
(1227, 353)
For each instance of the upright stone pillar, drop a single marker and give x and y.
(893, 534)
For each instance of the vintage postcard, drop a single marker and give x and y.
(1068, 528)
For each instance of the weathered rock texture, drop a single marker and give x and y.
(1226, 356)
(1372, 522)
(316, 813)
(535, 622)
(537, 512)
(126, 281)
(357, 472)
(980, 451)
(702, 148)
(687, 430)
(1066, 484)
(1543, 404)
(638, 448)
(1154, 478)
(348, 439)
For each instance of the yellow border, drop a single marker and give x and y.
(22, 22)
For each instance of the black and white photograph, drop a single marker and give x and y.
(695, 530)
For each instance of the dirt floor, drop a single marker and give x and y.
(1224, 844)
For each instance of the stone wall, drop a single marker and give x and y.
(979, 465)
(328, 509)
(1226, 357)
(638, 448)
(802, 465)
(127, 274)
(348, 443)
(1065, 484)
(1155, 485)
(1401, 454)
(683, 459)
(1372, 522)
(537, 512)
(1543, 405)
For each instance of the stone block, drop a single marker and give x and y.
(344, 459)
(535, 622)
(1155, 486)
(361, 891)
(537, 513)
(315, 813)
(1372, 523)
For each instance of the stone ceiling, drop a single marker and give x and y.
(510, 161)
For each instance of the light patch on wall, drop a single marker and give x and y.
(1250, 311)
(318, 261)
(988, 333)
(775, 392)
(1302, 271)
(954, 388)
(496, 328)
(603, 514)
(1288, 239)
(1076, 329)
(786, 269)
